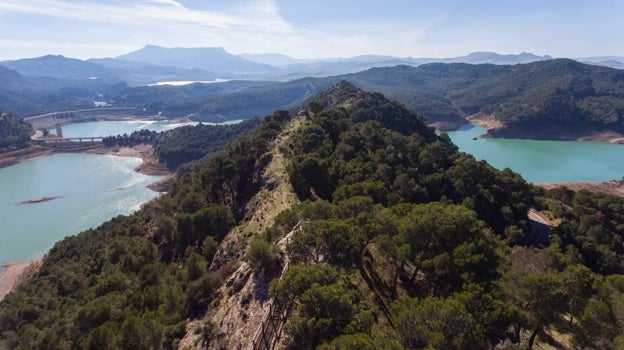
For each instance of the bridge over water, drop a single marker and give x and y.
(69, 142)
(58, 119)
(51, 120)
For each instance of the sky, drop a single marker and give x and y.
(313, 28)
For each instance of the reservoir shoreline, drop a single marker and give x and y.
(495, 129)
(613, 187)
(15, 273)
(12, 273)
(13, 270)
(150, 165)
(145, 152)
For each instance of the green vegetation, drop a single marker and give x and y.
(426, 243)
(566, 96)
(182, 145)
(14, 133)
(143, 136)
(134, 281)
(593, 228)
(247, 103)
(185, 144)
(561, 93)
(405, 243)
(154, 97)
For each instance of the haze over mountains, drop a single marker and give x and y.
(152, 64)
(522, 89)
(357, 63)
(212, 59)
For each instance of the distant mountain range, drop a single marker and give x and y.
(558, 98)
(152, 64)
(607, 61)
(442, 89)
(333, 66)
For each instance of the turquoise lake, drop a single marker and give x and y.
(544, 161)
(94, 189)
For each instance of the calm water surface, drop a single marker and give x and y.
(545, 161)
(94, 188)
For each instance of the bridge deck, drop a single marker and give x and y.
(66, 139)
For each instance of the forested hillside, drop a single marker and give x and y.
(561, 93)
(558, 98)
(403, 242)
(185, 144)
(154, 97)
(14, 132)
(134, 281)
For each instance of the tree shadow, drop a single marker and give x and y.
(548, 339)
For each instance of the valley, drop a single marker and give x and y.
(308, 175)
(373, 188)
(363, 176)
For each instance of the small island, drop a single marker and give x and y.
(40, 199)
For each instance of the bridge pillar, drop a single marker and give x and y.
(59, 130)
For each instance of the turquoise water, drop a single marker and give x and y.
(94, 188)
(119, 127)
(545, 161)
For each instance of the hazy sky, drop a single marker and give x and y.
(313, 28)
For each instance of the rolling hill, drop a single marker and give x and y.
(575, 98)
(59, 67)
(137, 73)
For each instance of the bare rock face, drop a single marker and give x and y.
(234, 319)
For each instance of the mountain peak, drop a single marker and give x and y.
(339, 94)
(213, 59)
(54, 56)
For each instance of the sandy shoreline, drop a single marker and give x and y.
(486, 121)
(613, 187)
(150, 165)
(14, 273)
(8, 159)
